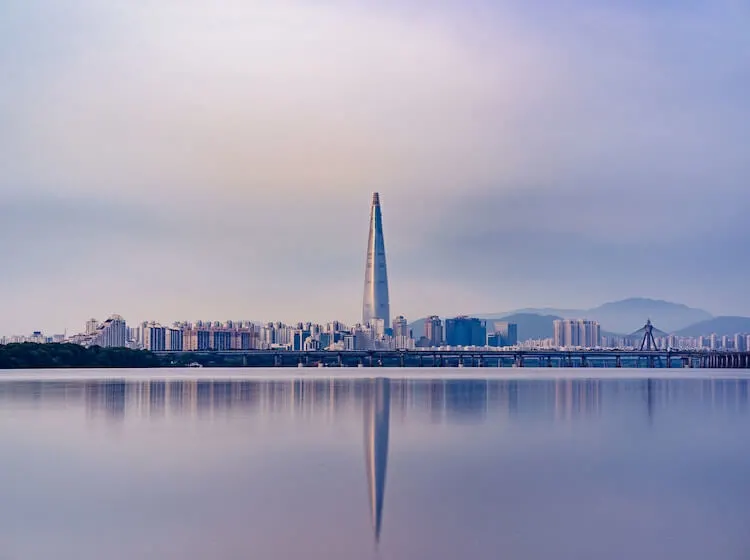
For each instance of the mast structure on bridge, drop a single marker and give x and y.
(648, 342)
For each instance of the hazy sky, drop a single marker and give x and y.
(183, 159)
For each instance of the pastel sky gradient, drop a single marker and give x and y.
(183, 159)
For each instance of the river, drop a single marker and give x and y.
(335, 464)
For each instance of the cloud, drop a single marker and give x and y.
(244, 100)
(583, 249)
(179, 159)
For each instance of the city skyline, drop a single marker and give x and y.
(530, 155)
(336, 337)
(634, 311)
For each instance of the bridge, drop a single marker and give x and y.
(465, 358)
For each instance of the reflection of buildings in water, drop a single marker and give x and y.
(107, 396)
(466, 400)
(577, 397)
(443, 400)
(438, 401)
(377, 408)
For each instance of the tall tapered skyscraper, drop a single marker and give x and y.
(375, 302)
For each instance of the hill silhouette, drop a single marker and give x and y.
(721, 326)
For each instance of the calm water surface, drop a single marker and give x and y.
(432, 465)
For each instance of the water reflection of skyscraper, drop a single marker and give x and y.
(377, 409)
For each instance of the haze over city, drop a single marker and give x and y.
(174, 160)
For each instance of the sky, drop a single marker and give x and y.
(183, 160)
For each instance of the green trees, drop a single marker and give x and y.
(39, 356)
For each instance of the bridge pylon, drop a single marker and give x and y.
(648, 342)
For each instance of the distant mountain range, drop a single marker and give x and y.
(719, 325)
(628, 315)
(622, 317)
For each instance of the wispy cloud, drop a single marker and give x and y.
(527, 154)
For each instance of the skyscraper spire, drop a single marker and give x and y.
(375, 302)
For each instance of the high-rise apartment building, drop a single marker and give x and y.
(196, 338)
(400, 326)
(111, 333)
(739, 343)
(92, 325)
(154, 337)
(433, 331)
(375, 304)
(465, 331)
(504, 334)
(576, 333)
(173, 339)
